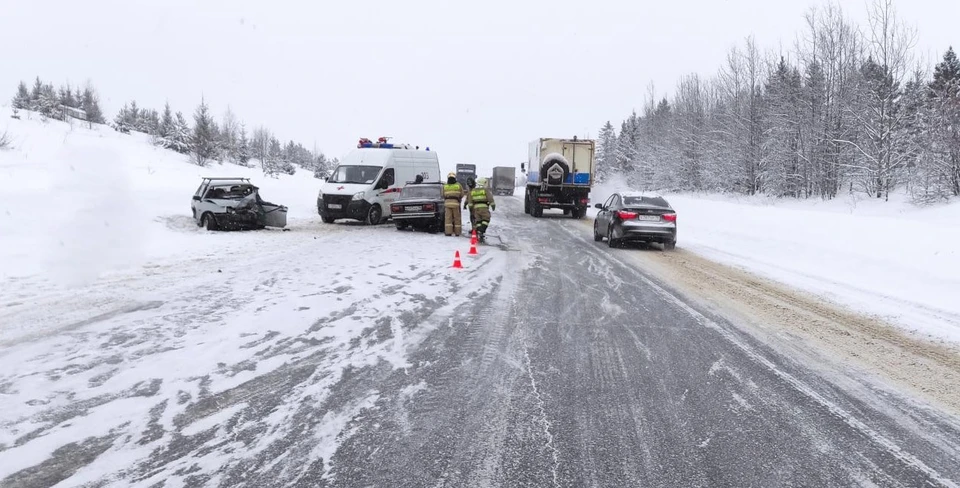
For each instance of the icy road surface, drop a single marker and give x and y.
(347, 356)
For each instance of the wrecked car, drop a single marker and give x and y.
(234, 204)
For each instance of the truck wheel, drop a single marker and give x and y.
(580, 212)
(208, 221)
(374, 215)
(526, 204)
(537, 210)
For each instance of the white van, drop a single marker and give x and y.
(370, 178)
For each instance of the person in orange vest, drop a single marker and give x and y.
(452, 194)
(480, 202)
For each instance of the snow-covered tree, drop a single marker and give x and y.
(944, 109)
(90, 104)
(606, 151)
(67, 98)
(166, 127)
(203, 142)
(21, 100)
(243, 147)
(180, 137)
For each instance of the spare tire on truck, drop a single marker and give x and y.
(555, 169)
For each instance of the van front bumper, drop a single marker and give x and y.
(342, 207)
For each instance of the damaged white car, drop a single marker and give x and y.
(234, 204)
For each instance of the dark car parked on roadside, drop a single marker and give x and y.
(420, 206)
(636, 217)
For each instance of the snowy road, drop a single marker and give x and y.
(348, 356)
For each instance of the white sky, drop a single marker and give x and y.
(475, 81)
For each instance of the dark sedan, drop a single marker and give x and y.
(636, 217)
(420, 206)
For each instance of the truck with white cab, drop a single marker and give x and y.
(560, 175)
(371, 177)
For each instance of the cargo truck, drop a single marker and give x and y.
(466, 172)
(560, 175)
(503, 181)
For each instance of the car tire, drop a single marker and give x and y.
(327, 220)
(669, 245)
(402, 225)
(596, 235)
(207, 221)
(374, 215)
(613, 243)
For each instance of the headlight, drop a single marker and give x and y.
(231, 210)
(359, 195)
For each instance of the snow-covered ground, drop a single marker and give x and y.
(126, 329)
(888, 259)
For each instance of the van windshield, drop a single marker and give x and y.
(354, 174)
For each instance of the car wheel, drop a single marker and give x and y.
(596, 232)
(208, 222)
(669, 245)
(327, 219)
(610, 240)
(374, 215)
(401, 225)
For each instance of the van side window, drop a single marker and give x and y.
(387, 179)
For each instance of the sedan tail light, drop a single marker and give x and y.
(428, 207)
(670, 217)
(396, 208)
(626, 215)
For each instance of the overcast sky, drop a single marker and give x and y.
(473, 80)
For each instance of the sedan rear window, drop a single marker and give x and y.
(651, 201)
(432, 191)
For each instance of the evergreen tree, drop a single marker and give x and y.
(166, 127)
(90, 103)
(66, 97)
(120, 121)
(35, 95)
(243, 147)
(606, 151)
(21, 100)
(203, 142)
(49, 103)
(180, 137)
(945, 123)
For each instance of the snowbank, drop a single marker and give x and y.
(79, 202)
(889, 259)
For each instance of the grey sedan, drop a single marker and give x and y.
(636, 217)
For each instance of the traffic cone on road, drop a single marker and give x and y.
(473, 247)
(456, 261)
(473, 236)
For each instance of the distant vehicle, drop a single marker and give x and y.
(370, 178)
(636, 217)
(465, 172)
(503, 181)
(560, 176)
(420, 206)
(233, 204)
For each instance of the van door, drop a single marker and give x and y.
(388, 190)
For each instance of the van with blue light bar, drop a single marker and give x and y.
(560, 176)
(369, 179)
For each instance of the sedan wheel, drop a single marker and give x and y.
(610, 240)
(596, 232)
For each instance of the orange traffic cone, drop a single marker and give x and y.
(473, 236)
(473, 247)
(456, 261)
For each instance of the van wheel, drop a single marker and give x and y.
(374, 215)
(208, 222)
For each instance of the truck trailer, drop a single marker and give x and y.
(503, 181)
(560, 175)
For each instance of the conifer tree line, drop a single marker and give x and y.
(849, 109)
(201, 136)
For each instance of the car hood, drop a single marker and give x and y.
(343, 188)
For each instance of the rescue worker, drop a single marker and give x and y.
(471, 184)
(480, 201)
(452, 194)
